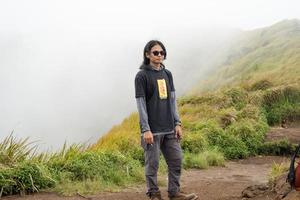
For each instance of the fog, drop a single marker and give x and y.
(67, 67)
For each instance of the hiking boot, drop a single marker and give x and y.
(155, 195)
(182, 196)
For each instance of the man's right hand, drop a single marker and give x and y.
(148, 137)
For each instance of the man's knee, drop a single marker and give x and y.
(175, 164)
(151, 166)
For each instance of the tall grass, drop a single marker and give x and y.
(277, 170)
(23, 171)
(13, 150)
(282, 104)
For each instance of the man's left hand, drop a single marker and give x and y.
(178, 132)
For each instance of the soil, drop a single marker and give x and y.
(215, 183)
(292, 133)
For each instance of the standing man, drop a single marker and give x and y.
(159, 121)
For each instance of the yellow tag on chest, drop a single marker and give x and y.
(162, 88)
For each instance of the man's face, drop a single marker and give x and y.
(155, 55)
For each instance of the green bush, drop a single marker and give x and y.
(214, 157)
(194, 142)
(281, 104)
(26, 177)
(281, 111)
(261, 85)
(7, 182)
(203, 160)
(238, 97)
(250, 134)
(108, 166)
(281, 147)
(129, 148)
(232, 147)
(197, 161)
(249, 111)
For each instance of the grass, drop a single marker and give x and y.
(203, 160)
(13, 150)
(88, 170)
(277, 170)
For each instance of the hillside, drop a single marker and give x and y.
(271, 53)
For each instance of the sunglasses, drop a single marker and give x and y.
(156, 53)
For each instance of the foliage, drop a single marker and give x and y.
(194, 142)
(281, 147)
(277, 170)
(204, 159)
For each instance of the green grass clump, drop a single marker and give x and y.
(130, 148)
(214, 157)
(261, 85)
(232, 147)
(203, 160)
(194, 142)
(277, 170)
(238, 97)
(282, 103)
(281, 147)
(13, 150)
(108, 166)
(197, 161)
(250, 132)
(25, 178)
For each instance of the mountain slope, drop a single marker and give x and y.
(271, 53)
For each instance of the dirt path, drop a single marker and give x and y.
(215, 183)
(292, 133)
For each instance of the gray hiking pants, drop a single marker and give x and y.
(171, 150)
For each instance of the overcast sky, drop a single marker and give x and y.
(67, 67)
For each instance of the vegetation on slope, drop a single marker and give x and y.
(271, 54)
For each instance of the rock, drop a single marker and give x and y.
(254, 190)
(281, 187)
(293, 195)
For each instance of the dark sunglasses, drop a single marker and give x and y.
(156, 53)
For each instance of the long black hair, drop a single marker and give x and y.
(148, 48)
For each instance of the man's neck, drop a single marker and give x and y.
(156, 66)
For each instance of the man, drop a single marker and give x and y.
(159, 121)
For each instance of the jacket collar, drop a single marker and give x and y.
(150, 67)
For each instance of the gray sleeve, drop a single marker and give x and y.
(142, 109)
(174, 108)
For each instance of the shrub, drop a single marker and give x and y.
(250, 134)
(214, 157)
(238, 97)
(194, 142)
(108, 166)
(277, 170)
(203, 160)
(129, 147)
(281, 147)
(13, 150)
(26, 177)
(197, 161)
(261, 85)
(232, 147)
(281, 104)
